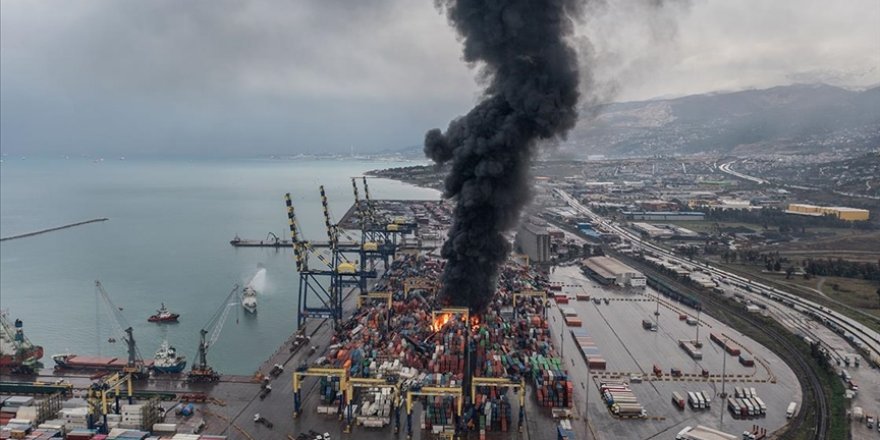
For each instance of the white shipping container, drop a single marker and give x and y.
(170, 428)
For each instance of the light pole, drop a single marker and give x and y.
(587, 398)
(697, 343)
(562, 344)
(724, 371)
(657, 313)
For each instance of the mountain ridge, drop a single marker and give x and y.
(799, 118)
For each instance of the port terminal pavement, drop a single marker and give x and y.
(630, 350)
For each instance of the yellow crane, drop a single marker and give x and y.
(366, 382)
(432, 391)
(97, 396)
(500, 382)
(530, 294)
(386, 296)
(422, 283)
(298, 377)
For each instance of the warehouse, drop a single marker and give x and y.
(843, 213)
(608, 271)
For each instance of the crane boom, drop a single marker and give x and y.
(124, 329)
(215, 333)
(370, 213)
(215, 325)
(200, 370)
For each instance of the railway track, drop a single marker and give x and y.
(815, 401)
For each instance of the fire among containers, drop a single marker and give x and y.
(411, 351)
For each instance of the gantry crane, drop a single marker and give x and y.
(500, 382)
(97, 398)
(432, 391)
(201, 371)
(298, 376)
(316, 296)
(376, 244)
(135, 365)
(391, 382)
(321, 291)
(347, 273)
(530, 294)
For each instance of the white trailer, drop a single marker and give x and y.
(692, 400)
(792, 408)
(706, 398)
(761, 405)
(700, 399)
(857, 413)
(749, 407)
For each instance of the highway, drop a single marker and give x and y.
(726, 168)
(857, 333)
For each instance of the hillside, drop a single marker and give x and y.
(785, 119)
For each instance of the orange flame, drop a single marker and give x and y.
(475, 322)
(440, 321)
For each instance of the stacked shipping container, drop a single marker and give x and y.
(588, 349)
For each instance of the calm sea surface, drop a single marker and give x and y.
(167, 240)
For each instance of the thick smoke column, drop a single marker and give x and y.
(531, 94)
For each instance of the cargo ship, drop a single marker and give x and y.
(17, 354)
(167, 360)
(163, 315)
(78, 362)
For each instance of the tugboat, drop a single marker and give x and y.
(163, 315)
(167, 360)
(249, 299)
(249, 295)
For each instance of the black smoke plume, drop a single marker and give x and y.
(531, 72)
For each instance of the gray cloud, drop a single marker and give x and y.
(239, 77)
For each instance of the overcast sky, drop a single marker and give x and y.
(223, 77)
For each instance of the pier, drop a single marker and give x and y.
(57, 228)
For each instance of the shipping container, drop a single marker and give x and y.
(677, 400)
(690, 349)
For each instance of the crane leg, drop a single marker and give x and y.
(521, 413)
(409, 424)
(296, 404)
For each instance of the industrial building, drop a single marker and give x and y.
(608, 271)
(665, 215)
(533, 239)
(843, 213)
(661, 231)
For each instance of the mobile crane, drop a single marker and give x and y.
(135, 365)
(201, 371)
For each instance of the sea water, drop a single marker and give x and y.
(167, 240)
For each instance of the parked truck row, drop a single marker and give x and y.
(620, 399)
(746, 407)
